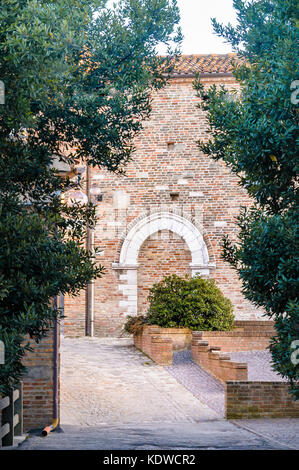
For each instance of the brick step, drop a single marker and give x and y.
(217, 362)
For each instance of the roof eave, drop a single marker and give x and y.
(201, 74)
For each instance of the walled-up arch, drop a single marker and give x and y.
(141, 230)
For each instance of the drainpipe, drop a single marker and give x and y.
(55, 421)
(89, 295)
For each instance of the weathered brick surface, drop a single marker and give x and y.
(259, 400)
(161, 255)
(74, 321)
(180, 337)
(167, 175)
(266, 326)
(38, 385)
(161, 350)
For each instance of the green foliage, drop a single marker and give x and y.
(134, 325)
(36, 266)
(193, 303)
(285, 355)
(35, 38)
(78, 77)
(255, 131)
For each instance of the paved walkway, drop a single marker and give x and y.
(109, 382)
(114, 397)
(200, 383)
(259, 365)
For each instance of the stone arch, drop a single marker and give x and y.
(172, 212)
(163, 221)
(136, 236)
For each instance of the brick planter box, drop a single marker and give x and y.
(159, 343)
(247, 336)
(180, 337)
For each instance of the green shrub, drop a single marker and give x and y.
(134, 325)
(284, 347)
(193, 303)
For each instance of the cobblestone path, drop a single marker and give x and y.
(259, 365)
(200, 383)
(107, 382)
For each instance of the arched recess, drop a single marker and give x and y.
(147, 226)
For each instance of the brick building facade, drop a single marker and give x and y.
(169, 212)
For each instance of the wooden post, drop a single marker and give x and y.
(8, 418)
(18, 408)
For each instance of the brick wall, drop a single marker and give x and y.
(248, 336)
(259, 400)
(74, 321)
(162, 254)
(38, 385)
(167, 175)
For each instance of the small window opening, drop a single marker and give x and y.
(174, 196)
(170, 145)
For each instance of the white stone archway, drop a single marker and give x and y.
(147, 226)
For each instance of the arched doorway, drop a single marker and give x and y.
(162, 254)
(134, 239)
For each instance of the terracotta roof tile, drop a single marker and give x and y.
(203, 63)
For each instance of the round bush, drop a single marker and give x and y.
(193, 303)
